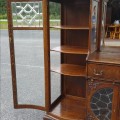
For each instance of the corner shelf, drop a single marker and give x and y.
(70, 27)
(70, 50)
(71, 70)
(70, 108)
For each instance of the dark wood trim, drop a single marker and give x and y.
(27, 28)
(99, 26)
(56, 102)
(12, 53)
(12, 56)
(22, 106)
(47, 54)
(25, 0)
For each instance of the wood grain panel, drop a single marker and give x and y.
(70, 49)
(71, 70)
(70, 109)
(105, 72)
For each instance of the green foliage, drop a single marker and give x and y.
(4, 16)
(3, 10)
(54, 10)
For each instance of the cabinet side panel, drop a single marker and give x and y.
(75, 86)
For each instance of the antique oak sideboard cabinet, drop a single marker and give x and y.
(69, 72)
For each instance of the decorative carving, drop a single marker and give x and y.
(92, 84)
(90, 117)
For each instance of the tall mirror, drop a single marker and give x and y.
(110, 33)
(94, 23)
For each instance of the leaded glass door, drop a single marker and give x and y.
(102, 100)
(27, 52)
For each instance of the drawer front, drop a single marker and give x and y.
(101, 71)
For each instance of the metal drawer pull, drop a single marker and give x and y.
(98, 73)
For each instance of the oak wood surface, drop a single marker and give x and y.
(70, 27)
(104, 72)
(110, 49)
(105, 57)
(71, 70)
(96, 85)
(70, 108)
(70, 49)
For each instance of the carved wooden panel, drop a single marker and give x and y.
(102, 100)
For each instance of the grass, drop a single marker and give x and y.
(4, 24)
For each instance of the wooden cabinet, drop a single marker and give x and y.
(84, 70)
(104, 72)
(103, 85)
(103, 102)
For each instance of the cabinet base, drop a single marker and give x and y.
(47, 117)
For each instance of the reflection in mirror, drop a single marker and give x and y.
(94, 24)
(110, 36)
(103, 24)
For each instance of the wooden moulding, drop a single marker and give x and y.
(70, 27)
(24, 0)
(104, 57)
(71, 70)
(70, 49)
(27, 28)
(70, 108)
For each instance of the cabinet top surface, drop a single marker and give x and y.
(108, 55)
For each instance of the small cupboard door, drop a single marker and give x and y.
(102, 101)
(27, 53)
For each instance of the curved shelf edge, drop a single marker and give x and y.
(70, 50)
(70, 70)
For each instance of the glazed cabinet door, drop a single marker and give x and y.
(103, 100)
(27, 53)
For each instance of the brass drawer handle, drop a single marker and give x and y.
(98, 73)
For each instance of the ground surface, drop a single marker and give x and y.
(30, 74)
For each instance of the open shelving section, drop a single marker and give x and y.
(70, 27)
(70, 49)
(73, 51)
(71, 70)
(75, 107)
(75, 45)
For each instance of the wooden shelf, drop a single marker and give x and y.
(70, 108)
(70, 50)
(70, 27)
(71, 70)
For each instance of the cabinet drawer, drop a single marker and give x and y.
(101, 71)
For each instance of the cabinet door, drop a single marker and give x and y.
(27, 53)
(102, 101)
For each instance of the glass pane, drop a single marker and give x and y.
(55, 57)
(103, 24)
(55, 62)
(94, 24)
(27, 14)
(101, 103)
(29, 55)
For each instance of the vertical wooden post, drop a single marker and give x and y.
(99, 25)
(12, 54)
(46, 54)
